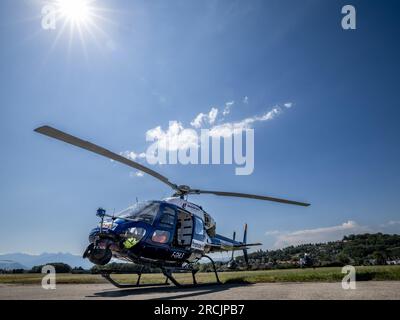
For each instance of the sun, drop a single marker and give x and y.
(83, 20)
(75, 11)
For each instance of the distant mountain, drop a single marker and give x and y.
(11, 266)
(27, 261)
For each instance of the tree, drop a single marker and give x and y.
(59, 267)
(343, 258)
(380, 257)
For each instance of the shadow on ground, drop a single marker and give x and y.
(183, 292)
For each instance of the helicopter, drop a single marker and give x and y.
(172, 234)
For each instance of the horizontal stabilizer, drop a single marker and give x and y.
(224, 247)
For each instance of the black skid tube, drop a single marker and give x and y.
(167, 272)
(215, 269)
(107, 276)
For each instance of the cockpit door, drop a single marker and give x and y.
(165, 224)
(199, 236)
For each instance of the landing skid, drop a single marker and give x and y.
(214, 268)
(107, 275)
(167, 272)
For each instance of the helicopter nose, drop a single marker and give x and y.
(98, 255)
(97, 231)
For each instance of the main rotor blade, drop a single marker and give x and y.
(62, 136)
(250, 196)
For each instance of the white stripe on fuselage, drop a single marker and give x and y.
(186, 205)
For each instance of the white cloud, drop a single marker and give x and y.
(227, 129)
(317, 235)
(174, 138)
(177, 137)
(393, 223)
(212, 115)
(326, 234)
(227, 108)
(270, 114)
(131, 155)
(246, 100)
(198, 121)
(203, 118)
(390, 227)
(137, 174)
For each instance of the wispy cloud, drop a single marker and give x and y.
(198, 121)
(391, 223)
(137, 174)
(246, 100)
(229, 128)
(203, 118)
(212, 115)
(177, 137)
(227, 108)
(133, 155)
(326, 234)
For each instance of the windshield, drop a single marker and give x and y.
(144, 211)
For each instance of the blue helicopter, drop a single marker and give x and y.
(172, 234)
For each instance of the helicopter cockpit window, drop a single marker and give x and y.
(145, 211)
(199, 227)
(160, 236)
(168, 217)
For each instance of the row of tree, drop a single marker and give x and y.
(65, 268)
(58, 266)
(363, 249)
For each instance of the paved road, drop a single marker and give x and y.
(365, 290)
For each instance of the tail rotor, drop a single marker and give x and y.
(233, 238)
(232, 264)
(245, 255)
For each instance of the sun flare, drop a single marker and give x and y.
(82, 20)
(75, 11)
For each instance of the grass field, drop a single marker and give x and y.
(293, 275)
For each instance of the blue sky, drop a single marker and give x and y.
(157, 61)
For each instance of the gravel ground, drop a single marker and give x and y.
(262, 291)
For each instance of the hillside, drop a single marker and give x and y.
(363, 249)
(28, 260)
(9, 265)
